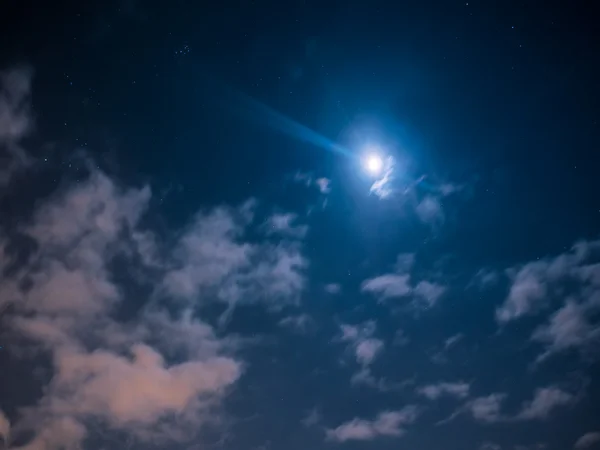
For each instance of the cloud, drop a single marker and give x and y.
(534, 283)
(15, 120)
(489, 446)
(388, 423)
(4, 428)
(140, 389)
(163, 373)
(543, 403)
(568, 328)
(400, 338)
(486, 409)
(212, 259)
(429, 210)
(453, 340)
(429, 292)
(381, 187)
(58, 433)
(400, 284)
(312, 418)
(388, 286)
(484, 278)
(284, 224)
(404, 262)
(424, 293)
(324, 185)
(365, 349)
(528, 288)
(300, 323)
(588, 440)
(538, 285)
(333, 288)
(435, 391)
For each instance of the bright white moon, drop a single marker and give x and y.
(374, 164)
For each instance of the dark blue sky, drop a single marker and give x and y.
(194, 255)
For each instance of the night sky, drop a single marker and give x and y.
(264, 225)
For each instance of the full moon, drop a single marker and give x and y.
(373, 164)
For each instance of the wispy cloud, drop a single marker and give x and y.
(545, 400)
(286, 225)
(430, 211)
(300, 323)
(400, 284)
(588, 440)
(211, 257)
(365, 348)
(15, 120)
(490, 446)
(4, 429)
(388, 423)
(484, 278)
(312, 418)
(159, 374)
(382, 186)
(486, 409)
(333, 288)
(453, 340)
(435, 391)
(538, 285)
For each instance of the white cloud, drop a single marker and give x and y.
(324, 185)
(568, 328)
(486, 409)
(404, 262)
(453, 340)
(588, 440)
(64, 433)
(429, 292)
(321, 183)
(381, 187)
(300, 323)
(400, 338)
(528, 288)
(388, 286)
(333, 288)
(435, 391)
(534, 283)
(211, 258)
(489, 446)
(15, 120)
(538, 285)
(366, 349)
(429, 210)
(140, 389)
(424, 293)
(447, 189)
(285, 225)
(4, 428)
(388, 423)
(312, 418)
(158, 375)
(543, 403)
(484, 278)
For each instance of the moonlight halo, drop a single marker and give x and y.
(373, 163)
